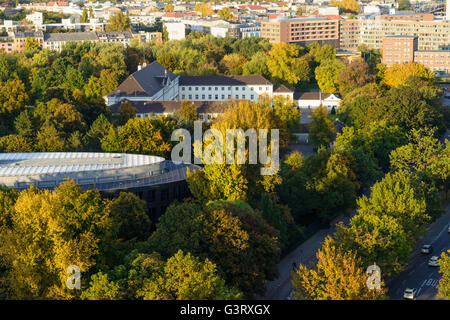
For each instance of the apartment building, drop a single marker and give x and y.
(145, 37)
(435, 60)
(56, 41)
(399, 49)
(431, 34)
(404, 49)
(6, 44)
(407, 17)
(19, 39)
(302, 31)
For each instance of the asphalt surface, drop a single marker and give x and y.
(281, 288)
(418, 274)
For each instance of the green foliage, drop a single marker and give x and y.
(327, 75)
(444, 283)
(144, 136)
(187, 278)
(237, 239)
(118, 22)
(321, 129)
(338, 275)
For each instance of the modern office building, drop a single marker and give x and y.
(431, 35)
(154, 179)
(302, 31)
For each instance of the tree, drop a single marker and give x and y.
(99, 87)
(118, 22)
(84, 16)
(388, 223)
(287, 112)
(48, 139)
(13, 100)
(242, 245)
(338, 275)
(204, 8)
(129, 215)
(15, 143)
(425, 156)
(232, 64)
(321, 130)
(397, 74)
(327, 75)
(187, 278)
(101, 288)
(444, 283)
(355, 75)
(48, 232)
(126, 112)
(186, 115)
(225, 14)
(99, 128)
(404, 5)
(31, 44)
(354, 106)
(257, 65)
(285, 65)
(346, 5)
(145, 136)
(168, 7)
(406, 107)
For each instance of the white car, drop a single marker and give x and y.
(434, 261)
(410, 293)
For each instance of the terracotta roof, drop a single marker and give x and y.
(223, 80)
(174, 14)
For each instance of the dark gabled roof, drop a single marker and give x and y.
(279, 88)
(223, 80)
(313, 95)
(172, 106)
(145, 82)
(71, 36)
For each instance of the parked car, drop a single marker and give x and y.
(427, 248)
(410, 293)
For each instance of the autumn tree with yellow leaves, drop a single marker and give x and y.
(338, 275)
(397, 74)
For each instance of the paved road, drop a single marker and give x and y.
(280, 288)
(418, 274)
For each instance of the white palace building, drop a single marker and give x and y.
(155, 90)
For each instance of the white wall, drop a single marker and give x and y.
(176, 30)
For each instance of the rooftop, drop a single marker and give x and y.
(64, 162)
(223, 80)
